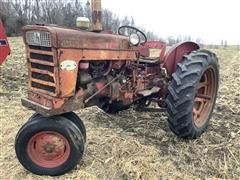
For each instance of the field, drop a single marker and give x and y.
(132, 145)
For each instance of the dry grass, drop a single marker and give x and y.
(133, 145)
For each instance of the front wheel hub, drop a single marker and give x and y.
(48, 149)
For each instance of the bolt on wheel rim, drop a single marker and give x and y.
(48, 149)
(204, 98)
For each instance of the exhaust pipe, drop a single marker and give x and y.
(96, 15)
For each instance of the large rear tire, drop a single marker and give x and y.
(49, 146)
(192, 94)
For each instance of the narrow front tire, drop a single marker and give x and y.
(49, 146)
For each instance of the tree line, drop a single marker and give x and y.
(17, 13)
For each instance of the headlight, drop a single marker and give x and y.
(38, 38)
(134, 39)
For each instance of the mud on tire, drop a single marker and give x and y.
(192, 94)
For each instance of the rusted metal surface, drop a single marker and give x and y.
(97, 15)
(4, 46)
(129, 74)
(68, 78)
(43, 71)
(76, 39)
(145, 49)
(176, 53)
(203, 101)
(48, 149)
(71, 104)
(100, 90)
(45, 100)
(109, 54)
(65, 80)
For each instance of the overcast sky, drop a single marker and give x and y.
(211, 20)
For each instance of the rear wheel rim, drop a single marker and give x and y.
(48, 149)
(205, 96)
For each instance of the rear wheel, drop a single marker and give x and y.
(192, 94)
(49, 146)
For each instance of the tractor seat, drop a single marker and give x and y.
(152, 52)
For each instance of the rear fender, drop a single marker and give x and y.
(175, 54)
(4, 46)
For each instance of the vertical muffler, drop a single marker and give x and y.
(96, 15)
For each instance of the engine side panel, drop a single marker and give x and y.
(69, 64)
(68, 70)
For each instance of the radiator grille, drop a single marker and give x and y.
(43, 77)
(42, 67)
(43, 87)
(40, 48)
(42, 72)
(41, 57)
(38, 38)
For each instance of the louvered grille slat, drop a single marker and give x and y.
(43, 77)
(42, 67)
(42, 71)
(43, 87)
(43, 57)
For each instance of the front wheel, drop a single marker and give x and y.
(70, 116)
(49, 146)
(192, 94)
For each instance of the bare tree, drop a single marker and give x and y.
(17, 13)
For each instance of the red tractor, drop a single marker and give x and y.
(4, 46)
(70, 69)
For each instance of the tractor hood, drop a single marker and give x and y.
(61, 37)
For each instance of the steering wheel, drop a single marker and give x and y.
(129, 29)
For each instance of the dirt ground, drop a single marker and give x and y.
(132, 145)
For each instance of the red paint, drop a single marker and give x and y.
(144, 48)
(176, 53)
(4, 46)
(48, 149)
(84, 65)
(99, 85)
(117, 64)
(128, 95)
